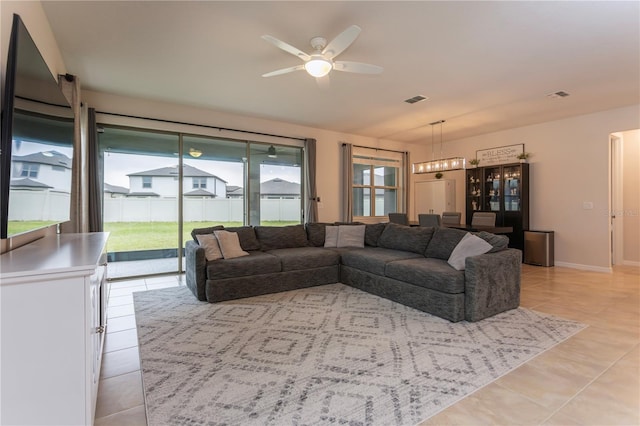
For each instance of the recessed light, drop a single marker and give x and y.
(558, 94)
(415, 99)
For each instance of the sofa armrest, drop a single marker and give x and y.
(195, 269)
(492, 283)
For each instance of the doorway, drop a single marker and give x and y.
(624, 197)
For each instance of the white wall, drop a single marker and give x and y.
(570, 165)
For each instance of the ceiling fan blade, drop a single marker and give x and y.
(357, 67)
(287, 47)
(284, 71)
(341, 42)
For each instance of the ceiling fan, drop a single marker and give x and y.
(320, 62)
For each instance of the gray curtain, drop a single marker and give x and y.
(311, 206)
(347, 179)
(95, 178)
(70, 86)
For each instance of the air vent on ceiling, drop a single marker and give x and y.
(558, 94)
(415, 99)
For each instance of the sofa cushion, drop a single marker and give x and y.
(315, 233)
(256, 263)
(469, 245)
(443, 242)
(278, 237)
(372, 233)
(247, 237)
(374, 259)
(294, 259)
(429, 273)
(498, 242)
(229, 244)
(400, 237)
(201, 231)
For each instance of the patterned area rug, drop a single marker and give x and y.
(322, 355)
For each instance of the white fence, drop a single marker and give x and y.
(41, 206)
(195, 210)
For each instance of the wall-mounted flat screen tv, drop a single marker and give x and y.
(37, 141)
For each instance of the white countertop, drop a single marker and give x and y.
(64, 253)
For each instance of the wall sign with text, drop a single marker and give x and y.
(499, 155)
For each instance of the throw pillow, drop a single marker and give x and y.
(443, 242)
(469, 245)
(247, 237)
(331, 236)
(351, 236)
(210, 244)
(229, 244)
(498, 242)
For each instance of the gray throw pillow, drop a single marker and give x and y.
(443, 242)
(413, 239)
(350, 236)
(498, 242)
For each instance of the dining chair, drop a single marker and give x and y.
(399, 218)
(451, 218)
(483, 219)
(428, 219)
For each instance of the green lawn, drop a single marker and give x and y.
(132, 236)
(16, 227)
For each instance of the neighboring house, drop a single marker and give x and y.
(274, 189)
(162, 183)
(279, 189)
(49, 170)
(115, 191)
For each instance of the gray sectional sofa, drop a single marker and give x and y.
(404, 264)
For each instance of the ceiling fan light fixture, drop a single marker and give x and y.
(318, 66)
(195, 153)
(271, 152)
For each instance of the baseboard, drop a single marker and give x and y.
(630, 263)
(606, 269)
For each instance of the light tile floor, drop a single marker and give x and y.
(592, 378)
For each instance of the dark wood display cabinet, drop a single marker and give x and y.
(504, 190)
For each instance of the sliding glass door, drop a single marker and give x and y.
(159, 186)
(140, 200)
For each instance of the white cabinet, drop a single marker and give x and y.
(435, 196)
(52, 316)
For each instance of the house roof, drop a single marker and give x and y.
(28, 183)
(114, 189)
(279, 186)
(53, 158)
(188, 171)
(484, 65)
(199, 193)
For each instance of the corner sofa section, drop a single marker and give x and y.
(404, 264)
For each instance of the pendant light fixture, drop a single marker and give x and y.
(271, 152)
(441, 164)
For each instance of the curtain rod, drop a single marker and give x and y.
(200, 125)
(377, 149)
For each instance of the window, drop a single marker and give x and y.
(377, 186)
(146, 181)
(30, 170)
(199, 182)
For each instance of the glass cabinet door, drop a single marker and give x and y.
(491, 194)
(474, 189)
(512, 188)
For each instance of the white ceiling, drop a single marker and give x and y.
(485, 66)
